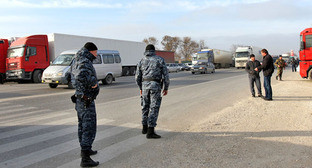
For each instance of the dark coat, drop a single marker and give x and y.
(267, 65)
(84, 74)
(250, 68)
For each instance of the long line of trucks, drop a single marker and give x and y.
(28, 57)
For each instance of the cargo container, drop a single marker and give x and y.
(167, 55)
(220, 58)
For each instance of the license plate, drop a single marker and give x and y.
(48, 81)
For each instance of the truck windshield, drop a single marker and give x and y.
(308, 41)
(16, 52)
(202, 56)
(64, 59)
(242, 54)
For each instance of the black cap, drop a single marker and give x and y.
(252, 55)
(150, 47)
(90, 46)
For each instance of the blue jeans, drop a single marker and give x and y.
(267, 87)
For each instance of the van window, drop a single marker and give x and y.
(108, 58)
(117, 58)
(98, 60)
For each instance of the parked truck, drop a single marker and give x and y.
(27, 57)
(220, 58)
(242, 55)
(305, 54)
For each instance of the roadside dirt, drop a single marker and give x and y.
(253, 133)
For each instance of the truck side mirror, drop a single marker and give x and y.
(302, 45)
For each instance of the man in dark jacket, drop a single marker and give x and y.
(253, 75)
(86, 85)
(268, 68)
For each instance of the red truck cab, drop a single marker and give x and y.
(27, 57)
(305, 53)
(4, 45)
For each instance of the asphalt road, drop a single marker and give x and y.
(38, 124)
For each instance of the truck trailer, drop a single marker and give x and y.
(220, 58)
(305, 54)
(242, 55)
(27, 57)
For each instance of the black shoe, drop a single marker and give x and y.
(86, 161)
(89, 152)
(151, 134)
(266, 99)
(260, 95)
(276, 77)
(253, 95)
(144, 129)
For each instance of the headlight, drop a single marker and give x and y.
(59, 74)
(201, 67)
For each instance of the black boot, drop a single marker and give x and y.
(86, 161)
(151, 134)
(89, 152)
(144, 129)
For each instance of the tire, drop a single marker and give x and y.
(310, 74)
(108, 80)
(125, 71)
(237, 67)
(132, 71)
(193, 73)
(37, 76)
(53, 85)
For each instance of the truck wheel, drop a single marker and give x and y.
(310, 74)
(1, 79)
(132, 71)
(108, 80)
(53, 85)
(125, 71)
(37, 76)
(193, 72)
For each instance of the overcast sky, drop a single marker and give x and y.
(271, 24)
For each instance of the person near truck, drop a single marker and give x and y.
(253, 75)
(268, 68)
(294, 64)
(280, 65)
(150, 75)
(87, 88)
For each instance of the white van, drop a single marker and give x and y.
(107, 66)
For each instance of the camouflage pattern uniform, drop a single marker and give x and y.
(84, 76)
(150, 75)
(282, 64)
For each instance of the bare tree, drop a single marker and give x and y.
(151, 40)
(170, 43)
(202, 45)
(188, 47)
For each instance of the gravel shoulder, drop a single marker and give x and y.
(251, 133)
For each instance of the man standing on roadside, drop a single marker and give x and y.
(268, 68)
(150, 75)
(293, 63)
(253, 75)
(86, 85)
(280, 65)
